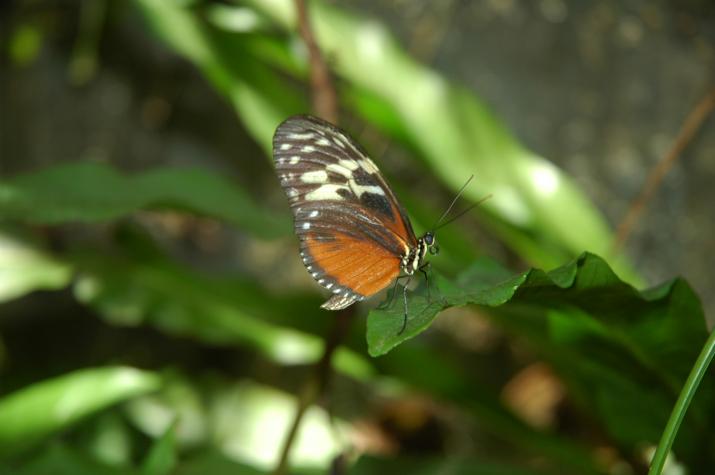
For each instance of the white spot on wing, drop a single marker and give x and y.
(369, 166)
(304, 136)
(360, 189)
(314, 214)
(292, 192)
(308, 149)
(294, 159)
(285, 146)
(316, 176)
(326, 192)
(349, 164)
(323, 142)
(340, 170)
(306, 226)
(328, 286)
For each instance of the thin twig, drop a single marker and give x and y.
(691, 126)
(325, 103)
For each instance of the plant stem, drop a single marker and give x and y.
(324, 98)
(690, 128)
(686, 396)
(316, 384)
(325, 105)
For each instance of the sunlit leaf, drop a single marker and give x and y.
(33, 413)
(258, 93)
(25, 268)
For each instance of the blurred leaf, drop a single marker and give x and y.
(161, 459)
(180, 403)
(624, 353)
(33, 413)
(25, 44)
(60, 459)
(243, 421)
(109, 440)
(24, 268)
(258, 94)
(214, 463)
(139, 285)
(90, 192)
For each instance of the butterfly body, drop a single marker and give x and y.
(355, 237)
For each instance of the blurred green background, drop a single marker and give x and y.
(155, 317)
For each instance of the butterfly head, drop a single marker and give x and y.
(430, 243)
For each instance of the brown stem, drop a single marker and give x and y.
(325, 103)
(316, 384)
(691, 126)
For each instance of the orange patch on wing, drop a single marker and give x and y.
(360, 265)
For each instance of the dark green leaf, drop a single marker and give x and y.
(623, 353)
(161, 458)
(90, 192)
(64, 460)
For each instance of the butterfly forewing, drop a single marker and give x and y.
(352, 229)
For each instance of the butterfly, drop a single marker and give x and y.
(355, 237)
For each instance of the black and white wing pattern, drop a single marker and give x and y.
(354, 234)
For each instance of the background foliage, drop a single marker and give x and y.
(154, 317)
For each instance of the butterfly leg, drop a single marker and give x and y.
(394, 292)
(424, 268)
(404, 297)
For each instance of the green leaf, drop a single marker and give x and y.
(35, 412)
(25, 268)
(92, 192)
(161, 459)
(623, 353)
(140, 285)
(60, 459)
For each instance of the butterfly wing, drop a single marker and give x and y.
(352, 230)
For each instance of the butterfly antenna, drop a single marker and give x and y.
(449, 208)
(462, 212)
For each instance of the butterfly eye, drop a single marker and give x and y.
(434, 249)
(429, 238)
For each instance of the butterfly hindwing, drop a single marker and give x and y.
(352, 229)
